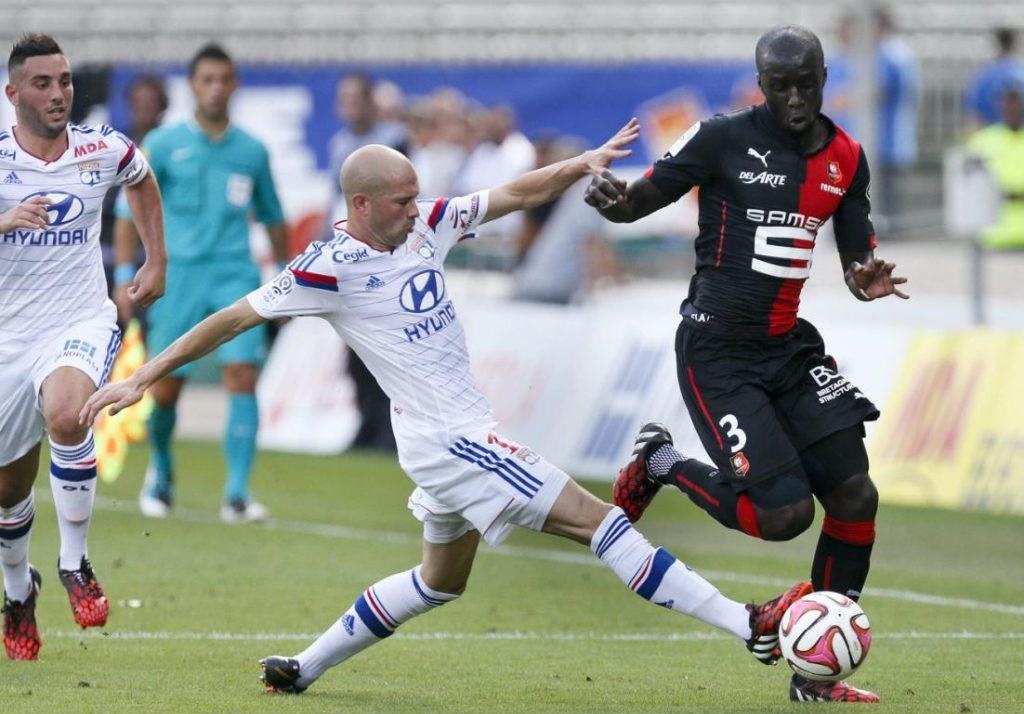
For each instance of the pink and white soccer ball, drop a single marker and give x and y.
(824, 636)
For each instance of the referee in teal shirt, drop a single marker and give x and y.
(213, 176)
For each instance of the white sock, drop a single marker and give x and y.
(15, 528)
(657, 576)
(379, 610)
(73, 482)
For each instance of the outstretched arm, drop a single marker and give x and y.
(868, 277)
(543, 185)
(209, 334)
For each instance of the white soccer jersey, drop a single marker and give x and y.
(394, 310)
(51, 279)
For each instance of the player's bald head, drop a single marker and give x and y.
(789, 45)
(374, 169)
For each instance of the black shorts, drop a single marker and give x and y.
(757, 403)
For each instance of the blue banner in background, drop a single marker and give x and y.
(588, 101)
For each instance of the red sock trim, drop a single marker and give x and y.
(746, 516)
(826, 578)
(853, 533)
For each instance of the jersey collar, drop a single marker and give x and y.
(194, 127)
(41, 160)
(339, 226)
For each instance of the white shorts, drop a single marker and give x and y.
(479, 481)
(89, 346)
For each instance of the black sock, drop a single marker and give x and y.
(843, 557)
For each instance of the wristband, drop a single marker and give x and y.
(124, 274)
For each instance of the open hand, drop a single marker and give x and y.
(874, 279)
(120, 394)
(602, 157)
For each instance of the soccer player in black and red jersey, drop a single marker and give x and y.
(781, 424)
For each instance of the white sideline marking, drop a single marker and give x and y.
(329, 530)
(514, 636)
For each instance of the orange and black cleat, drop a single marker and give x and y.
(280, 675)
(765, 620)
(806, 690)
(21, 636)
(89, 603)
(635, 488)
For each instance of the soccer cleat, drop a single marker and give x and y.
(21, 636)
(635, 488)
(280, 675)
(154, 500)
(764, 623)
(239, 511)
(153, 506)
(806, 690)
(89, 603)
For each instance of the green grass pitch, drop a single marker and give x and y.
(196, 603)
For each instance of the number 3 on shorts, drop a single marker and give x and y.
(732, 430)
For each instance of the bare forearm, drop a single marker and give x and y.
(148, 216)
(546, 184)
(202, 339)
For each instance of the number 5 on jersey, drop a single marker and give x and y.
(794, 244)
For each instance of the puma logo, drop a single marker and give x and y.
(763, 158)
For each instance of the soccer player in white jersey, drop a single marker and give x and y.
(380, 283)
(58, 335)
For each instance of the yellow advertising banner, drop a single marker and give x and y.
(952, 434)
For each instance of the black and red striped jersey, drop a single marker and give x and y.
(761, 203)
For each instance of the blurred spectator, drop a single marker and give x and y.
(899, 90)
(357, 109)
(1001, 147)
(897, 95)
(988, 85)
(390, 101)
(501, 153)
(438, 127)
(560, 244)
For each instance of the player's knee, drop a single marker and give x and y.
(63, 427)
(786, 522)
(856, 499)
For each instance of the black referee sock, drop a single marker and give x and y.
(843, 557)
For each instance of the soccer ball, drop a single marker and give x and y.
(824, 636)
